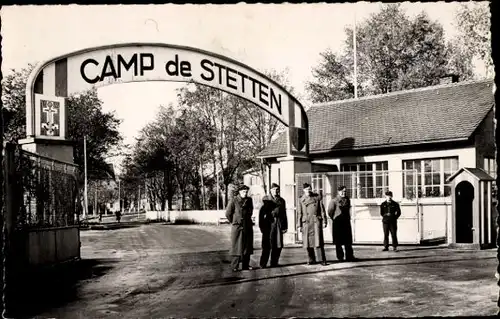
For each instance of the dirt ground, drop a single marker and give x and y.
(158, 271)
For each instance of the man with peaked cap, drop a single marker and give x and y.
(312, 220)
(273, 224)
(339, 211)
(390, 212)
(239, 213)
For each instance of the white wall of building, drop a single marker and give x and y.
(422, 219)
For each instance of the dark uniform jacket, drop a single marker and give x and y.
(239, 213)
(339, 211)
(273, 221)
(390, 211)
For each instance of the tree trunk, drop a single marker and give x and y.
(167, 183)
(263, 176)
(226, 193)
(182, 200)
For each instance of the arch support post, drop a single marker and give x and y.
(288, 167)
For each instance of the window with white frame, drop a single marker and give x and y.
(371, 180)
(317, 184)
(431, 176)
(490, 166)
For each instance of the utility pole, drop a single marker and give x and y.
(119, 196)
(202, 187)
(217, 183)
(96, 212)
(85, 213)
(138, 201)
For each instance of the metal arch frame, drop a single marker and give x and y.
(30, 94)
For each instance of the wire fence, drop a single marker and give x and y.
(46, 191)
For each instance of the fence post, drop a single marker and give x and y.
(9, 217)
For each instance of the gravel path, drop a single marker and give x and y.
(154, 271)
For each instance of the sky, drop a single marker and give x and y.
(263, 36)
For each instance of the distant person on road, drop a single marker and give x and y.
(339, 211)
(273, 224)
(118, 214)
(239, 214)
(312, 220)
(390, 212)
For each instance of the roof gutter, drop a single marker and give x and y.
(368, 147)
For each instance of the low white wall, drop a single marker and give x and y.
(429, 222)
(198, 216)
(435, 219)
(367, 225)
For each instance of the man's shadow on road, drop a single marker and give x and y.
(234, 280)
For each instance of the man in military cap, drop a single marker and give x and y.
(239, 213)
(273, 224)
(390, 212)
(339, 211)
(312, 219)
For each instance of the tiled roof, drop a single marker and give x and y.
(432, 114)
(478, 173)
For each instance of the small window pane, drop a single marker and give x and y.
(427, 166)
(409, 165)
(447, 190)
(436, 179)
(418, 166)
(435, 165)
(447, 165)
(428, 179)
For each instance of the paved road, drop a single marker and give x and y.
(154, 271)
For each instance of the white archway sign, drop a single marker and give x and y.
(52, 81)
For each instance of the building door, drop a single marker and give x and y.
(464, 194)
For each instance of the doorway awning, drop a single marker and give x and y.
(477, 173)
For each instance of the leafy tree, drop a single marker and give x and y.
(394, 53)
(240, 129)
(14, 104)
(187, 149)
(85, 117)
(172, 146)
(258, 128)
(473, 21)
(217, 110)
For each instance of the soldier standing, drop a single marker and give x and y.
(390, 212)
(312, 220)
(273, 224)
(239, 213)
(339, 211)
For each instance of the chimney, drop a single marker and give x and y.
(448, 79)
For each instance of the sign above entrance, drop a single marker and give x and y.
(136, 62)
(49, 116)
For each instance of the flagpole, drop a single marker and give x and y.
(85, 169)
(355, 59)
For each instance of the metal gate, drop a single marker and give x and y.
(366, 189)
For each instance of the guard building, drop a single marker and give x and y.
(411, 142)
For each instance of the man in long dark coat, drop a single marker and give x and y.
(239, 213)
(273, 224)
(312, 219)
(390, 212)
(339, 211)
